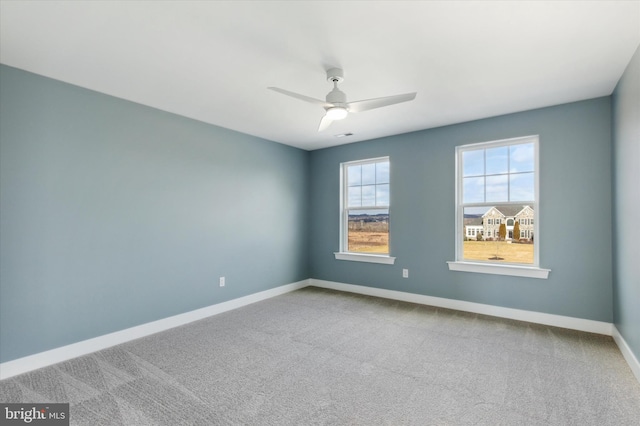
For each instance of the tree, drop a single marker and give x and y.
(502, 234)
(516, 231)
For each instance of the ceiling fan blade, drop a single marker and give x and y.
(301, 97)
(324, 123)
(359, 106)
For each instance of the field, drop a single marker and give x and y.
(486, 250)
(369, 241)
(361, 241)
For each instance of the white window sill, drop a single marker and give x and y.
(513, 270)
(370, 258)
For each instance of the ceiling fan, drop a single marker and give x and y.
(336, 105)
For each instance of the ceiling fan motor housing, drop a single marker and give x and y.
(336, 97)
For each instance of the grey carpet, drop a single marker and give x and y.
(318, 356)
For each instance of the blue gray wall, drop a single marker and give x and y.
(626, 175)
(115, 214)
(575, 212)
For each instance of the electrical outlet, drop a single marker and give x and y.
(405, 273)
(222, 282)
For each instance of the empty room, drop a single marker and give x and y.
(319, 212)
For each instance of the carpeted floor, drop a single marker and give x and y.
(318, 356)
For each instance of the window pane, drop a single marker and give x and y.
(366, 203)
(355, 196)
(473, 190)
(497, 188)
(522, 158)
(368, 174)
(482, 242)
(382, 195)
(521, 187)
(354, 175)
(382, 172)
(473, 163)
(497, 160)
(369, 195)
(368, 231)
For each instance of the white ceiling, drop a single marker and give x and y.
(213, 60)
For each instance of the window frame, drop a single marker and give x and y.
(344, 253)
(514, 269)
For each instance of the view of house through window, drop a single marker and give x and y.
(365, 214)
(497, 201)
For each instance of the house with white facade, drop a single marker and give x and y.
(488, 225)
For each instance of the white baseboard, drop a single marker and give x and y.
(580, 324)
(54, 356)
(64, 353)
(627, 353)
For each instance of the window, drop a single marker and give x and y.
(500, 179)
(365, 201)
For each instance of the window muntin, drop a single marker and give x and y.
(365, 207)
(497, 186)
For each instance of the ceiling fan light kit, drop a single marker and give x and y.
(337, 113)
(336, 105)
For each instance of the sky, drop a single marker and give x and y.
(499, 174)
(368, 185)
(493, 175)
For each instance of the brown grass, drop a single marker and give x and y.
(486, 250)
(378, 242)
(368, 242)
